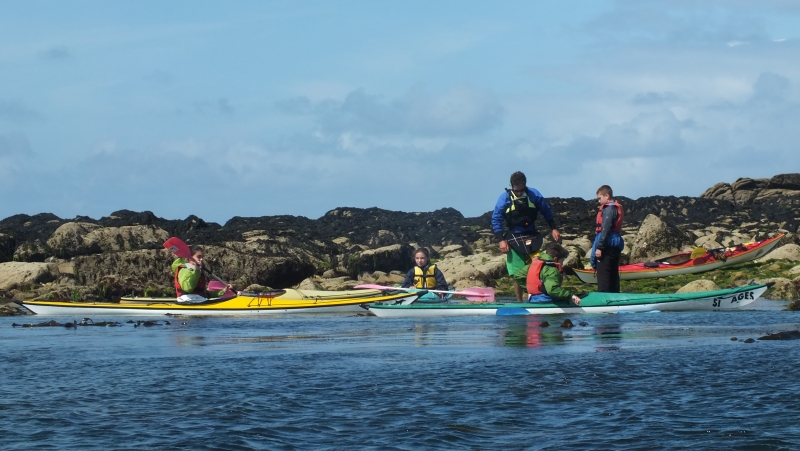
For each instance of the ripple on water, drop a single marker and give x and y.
(330, 382)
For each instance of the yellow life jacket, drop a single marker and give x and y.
(425, 279)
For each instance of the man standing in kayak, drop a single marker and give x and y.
(519, 207)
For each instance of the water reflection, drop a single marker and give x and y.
(533, 332)
(608, 333)
(530, 334)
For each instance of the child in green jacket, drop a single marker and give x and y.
(543, 276)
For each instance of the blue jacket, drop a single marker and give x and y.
(606, 238)
(504, 202)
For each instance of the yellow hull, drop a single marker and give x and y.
(293, 301)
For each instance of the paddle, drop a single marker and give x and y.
(181, 250)
(698, 252)
(472, 293)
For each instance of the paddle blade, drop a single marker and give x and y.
(698, 252)
(216, 285)
(370, 286)
(178, 247)
(512, 311)
(477, 294)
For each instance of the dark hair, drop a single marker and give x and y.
(424, 251)
(518, 178)
(196, 248)
(605, 189)
(556, 251)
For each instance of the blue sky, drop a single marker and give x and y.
(265, 108)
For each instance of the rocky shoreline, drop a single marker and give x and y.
(84, 259)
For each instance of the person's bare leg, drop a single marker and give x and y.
(518, 291)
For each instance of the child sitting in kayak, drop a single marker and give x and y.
(425, 275)
(543, 278)
(190, 282)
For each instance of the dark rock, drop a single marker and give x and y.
(749, 340)
(788, 335)
(383, 259)
(785, 181)
(25, 228)
(7, 246)
(719, 191)
(544, 324)
(748, 184)
(566, 324)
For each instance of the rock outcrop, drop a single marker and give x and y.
(698, 285)
(22, 275)
(85, 258)
(657, 238)
(747, 190)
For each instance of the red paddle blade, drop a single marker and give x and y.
(178, 247)
(370, 286)
(216, 285)
(478, 294)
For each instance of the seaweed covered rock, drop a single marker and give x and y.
(782, 290)
(386, 259)
(7, 246)
(81, 238)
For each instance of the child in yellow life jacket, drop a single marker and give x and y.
(424, 275)
(543, 280)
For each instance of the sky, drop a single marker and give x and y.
(261, 108)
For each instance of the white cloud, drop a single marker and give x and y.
(460, 111)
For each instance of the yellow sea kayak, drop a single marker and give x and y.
(290, 301)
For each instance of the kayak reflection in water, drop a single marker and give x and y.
(530, 334)
(191, 284)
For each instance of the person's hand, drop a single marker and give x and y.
(576, 300)
(504, 246)
(556, 235)
(598, 253)
(230, 287)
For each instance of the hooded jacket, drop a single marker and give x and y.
(550, 276)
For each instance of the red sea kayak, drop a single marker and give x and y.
(683, 263)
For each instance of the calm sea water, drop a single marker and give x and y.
(621, 382)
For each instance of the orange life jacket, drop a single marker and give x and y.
(617, 226)
(534, 282)
(199, 289)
